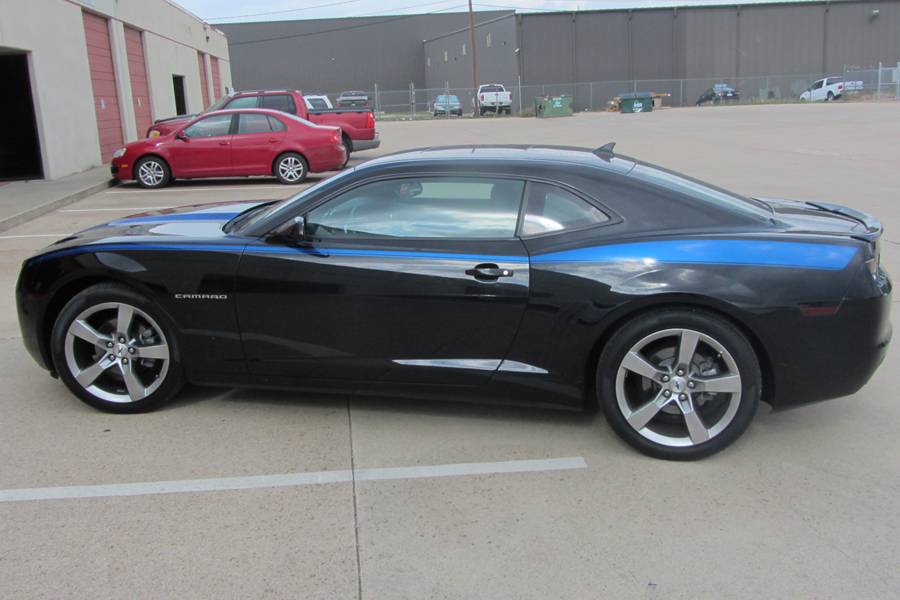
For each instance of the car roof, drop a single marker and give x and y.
(603, 158)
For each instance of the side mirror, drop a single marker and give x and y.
(182, 135)
(298, 230)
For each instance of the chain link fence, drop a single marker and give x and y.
(880, 83)
(867, 83)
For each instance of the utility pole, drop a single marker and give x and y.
(474, 67)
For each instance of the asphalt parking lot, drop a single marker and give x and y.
(256, 494)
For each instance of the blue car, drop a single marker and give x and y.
(446, 104)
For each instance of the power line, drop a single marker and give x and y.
(280, 12)
(336, 29)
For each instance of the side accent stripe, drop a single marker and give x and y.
(256, 250)
(713, 252)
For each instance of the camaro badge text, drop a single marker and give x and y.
(201, 296)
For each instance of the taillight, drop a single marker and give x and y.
(339, 103)
(840, 86)
(482, 97)
(367, 102)
(370, 120)
(336, 136)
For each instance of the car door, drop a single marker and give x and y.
(255, 143)
(203, 149)
(816, 92)
(416, 280)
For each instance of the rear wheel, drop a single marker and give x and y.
(347, 149)
(291, 168)
(116, 351)
(830, 97)
(679, 384)
(152, 172)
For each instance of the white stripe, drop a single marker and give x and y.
(208, 189)
(15, 237)
(293, 479)
(512, 466)
(131, 208)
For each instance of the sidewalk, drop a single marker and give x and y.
(22, 201)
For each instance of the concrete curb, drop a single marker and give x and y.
(43, 209)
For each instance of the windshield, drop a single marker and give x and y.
(284, 207)
(220, 103)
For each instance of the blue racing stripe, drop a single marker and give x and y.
(389, 254)
(713, 252)
(259, 250)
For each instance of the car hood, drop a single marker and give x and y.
(203, 223)
(824, 218)
(167, 126)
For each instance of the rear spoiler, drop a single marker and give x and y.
(873, 225)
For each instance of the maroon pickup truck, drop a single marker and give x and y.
(357, 123)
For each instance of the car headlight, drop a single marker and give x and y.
(119, 153)
(154, 133)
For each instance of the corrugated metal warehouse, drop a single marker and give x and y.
(566, 50)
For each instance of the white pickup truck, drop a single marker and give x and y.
(828, 89)
(492, 97)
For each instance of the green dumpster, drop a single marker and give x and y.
(553, 106)
(635, 103)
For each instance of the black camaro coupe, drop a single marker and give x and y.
(540, 275)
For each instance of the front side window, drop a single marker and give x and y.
(210, 127)
(244, 102)
(551, 208)
(433, 207)
(818, 84)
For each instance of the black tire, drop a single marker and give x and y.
(290, 168)
(830, 97)
(348, 148)
(151, 172)
(663, 403)
(116, 351)
(481, 111)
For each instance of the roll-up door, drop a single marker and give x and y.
(103, 80)
(137, 72)
(203, 80)
(217, 91)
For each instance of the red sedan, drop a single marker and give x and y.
(233, 143)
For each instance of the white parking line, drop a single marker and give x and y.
(15, 237)
(293, 479)
(132, 208)
(205, 189)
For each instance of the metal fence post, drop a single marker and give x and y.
(878, 94)
(377, 102)
(520, 93)
(447, 97)
(412, 99)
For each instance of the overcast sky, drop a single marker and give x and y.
(237, 11)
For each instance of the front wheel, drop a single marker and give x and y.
(152, 172)
(116, 351)
(291, 168)
(679, 384)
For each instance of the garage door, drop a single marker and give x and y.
(137, 72)
(203, 80)
(217, 91)
(103, 80)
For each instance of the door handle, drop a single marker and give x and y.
(273, 140)
(223, 143)
(489, 272)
